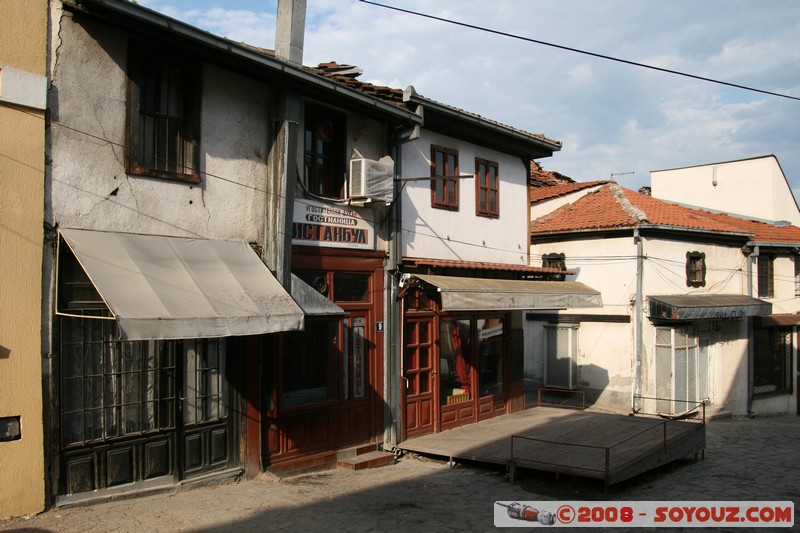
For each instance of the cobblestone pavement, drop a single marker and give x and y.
(745, 459)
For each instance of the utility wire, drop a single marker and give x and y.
(578, 51)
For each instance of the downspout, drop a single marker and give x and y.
(639, 312)
(391, 365)
(751, 260)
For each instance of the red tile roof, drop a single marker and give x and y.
(540, 177)
(348, 74)
(614, 207)
(476, 265)
(537, 194)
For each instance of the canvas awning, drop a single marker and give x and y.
(312, 302)
(706, 306)
(160, 287)
(474, 294)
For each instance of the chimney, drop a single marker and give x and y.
(289, 30)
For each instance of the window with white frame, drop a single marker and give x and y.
(681, 369)
(561, 366)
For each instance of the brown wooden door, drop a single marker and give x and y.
(418, 378)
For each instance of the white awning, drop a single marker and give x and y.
(180, 288)
(474, 294)
(312, 302)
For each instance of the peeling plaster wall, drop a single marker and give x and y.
(89, 187)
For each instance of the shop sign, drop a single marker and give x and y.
(359, 378)
(330, 226)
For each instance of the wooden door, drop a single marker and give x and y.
(418, 377)
(207, 437)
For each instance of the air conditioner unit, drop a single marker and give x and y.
(370, 179)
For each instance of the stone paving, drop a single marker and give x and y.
(745, 459)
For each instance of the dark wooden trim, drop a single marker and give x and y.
(575, 318)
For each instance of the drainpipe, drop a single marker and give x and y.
(751, 261)
(391, 364)
(639, 311)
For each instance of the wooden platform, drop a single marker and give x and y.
(590, 444)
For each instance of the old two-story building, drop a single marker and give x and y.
(23, 93)
(698, 306)
(199, 231)
(463, 272)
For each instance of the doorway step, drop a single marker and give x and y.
(363, 457)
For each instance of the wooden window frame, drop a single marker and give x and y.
(330, 182)
(484, 188)
(148, 67)
(766, 276)
(695, 269)
(555, 260)
(447, 187)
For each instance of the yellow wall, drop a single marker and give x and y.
(23, 30)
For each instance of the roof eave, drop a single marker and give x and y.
(534, 146)
(296, 74)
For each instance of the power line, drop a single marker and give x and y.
(579, 51)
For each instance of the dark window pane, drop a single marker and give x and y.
(311, 364)
(351, 288)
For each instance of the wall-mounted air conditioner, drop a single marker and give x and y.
(370, 179)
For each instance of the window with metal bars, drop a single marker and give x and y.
(204, 388)
(558, 261)
(163, 114)
(772, 361)
(695, 269)
(766, 281)
(681, 369)
(111, 388)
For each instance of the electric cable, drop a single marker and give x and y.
(579, 51)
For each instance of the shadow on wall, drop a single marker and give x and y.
(584, 390)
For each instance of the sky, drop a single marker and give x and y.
(614, 120)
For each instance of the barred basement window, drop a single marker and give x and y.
(772, 361)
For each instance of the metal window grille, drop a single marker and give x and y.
(681, 369)
(112, 388)
(562, 357)
(772, 360)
